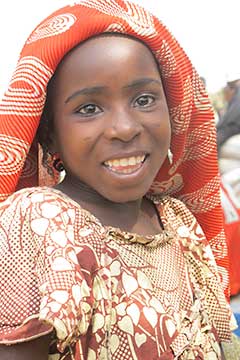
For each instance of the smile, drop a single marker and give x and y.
(125, 165)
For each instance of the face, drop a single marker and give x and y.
(111, 118)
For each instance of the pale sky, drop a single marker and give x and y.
(208, 30)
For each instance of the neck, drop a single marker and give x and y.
(122, 215)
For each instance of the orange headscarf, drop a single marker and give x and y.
(193, 176)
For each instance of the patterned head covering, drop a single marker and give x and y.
(193, 175)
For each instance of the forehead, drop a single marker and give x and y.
(104, 54)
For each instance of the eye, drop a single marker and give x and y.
(144, 101)
(89, 109)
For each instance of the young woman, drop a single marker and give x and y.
(109, 263)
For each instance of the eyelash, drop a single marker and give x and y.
(146, 96)
(84, 107)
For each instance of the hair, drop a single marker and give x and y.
(45, 131)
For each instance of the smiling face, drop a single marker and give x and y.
(111, 119)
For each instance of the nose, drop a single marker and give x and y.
(123, 125)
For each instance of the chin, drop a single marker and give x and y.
(125, 196)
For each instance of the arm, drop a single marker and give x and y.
(56, 287)
(37, 349)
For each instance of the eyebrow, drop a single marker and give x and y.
(98, 89)
(86, 91)
(141, 82)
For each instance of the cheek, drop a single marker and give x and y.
(161, 129)
(71, 134)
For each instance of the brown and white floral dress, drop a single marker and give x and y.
(103, 293)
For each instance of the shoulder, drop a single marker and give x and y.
(173, 209)
(180, 210)
(176, 217)
(26, 210)
(38, 208)
(45, 200)
(43, 218)
(29, 195)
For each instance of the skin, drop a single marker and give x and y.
(36, 349)
(111, 108)
(107, 102)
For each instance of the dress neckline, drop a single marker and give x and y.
(165, 236)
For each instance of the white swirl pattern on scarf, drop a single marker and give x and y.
(53, 27)
(26, 93)
(138, 19)
(30, 167)
(201, 100)
(181, 114)
(167, 60)
(204, 199)
(115, 27)
(12, 154)
(199, 144)
(169, 187)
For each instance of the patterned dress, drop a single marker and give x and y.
(104, 293)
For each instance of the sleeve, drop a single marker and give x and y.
(203, 270)
(42, 286)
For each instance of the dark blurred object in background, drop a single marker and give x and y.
(229, 124)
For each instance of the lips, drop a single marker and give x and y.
(125, 165)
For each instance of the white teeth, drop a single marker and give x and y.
(115, 162)
(132, 161)
(123, 162)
